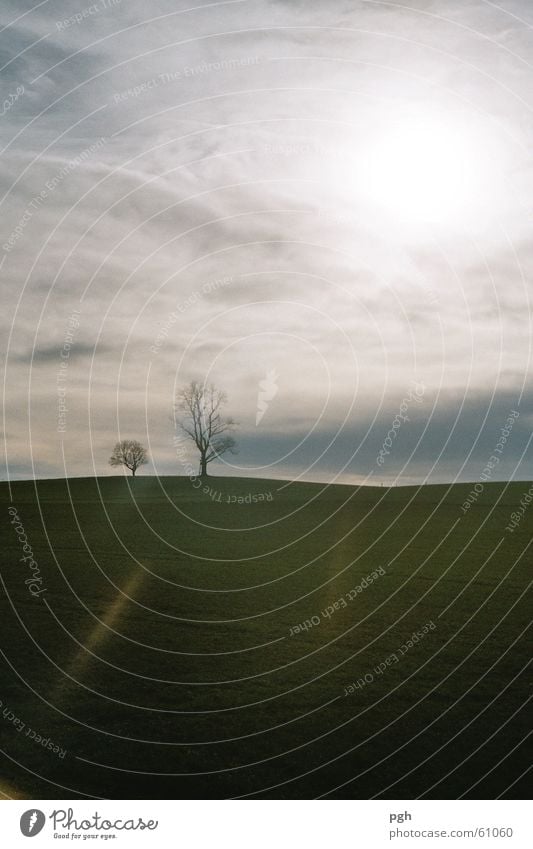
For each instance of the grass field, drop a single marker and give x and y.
(160, 657)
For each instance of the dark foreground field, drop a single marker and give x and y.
(159, 655)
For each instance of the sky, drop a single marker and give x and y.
(321, 207)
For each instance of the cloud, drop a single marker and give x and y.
(157, 151)
(52, 354)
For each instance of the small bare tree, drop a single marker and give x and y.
(129, 453)
(203, 423)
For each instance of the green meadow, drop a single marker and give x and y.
(166, 642)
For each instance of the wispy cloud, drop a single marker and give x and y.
(233, 142)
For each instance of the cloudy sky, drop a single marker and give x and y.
(330, 199)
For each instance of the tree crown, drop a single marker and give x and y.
(202, 420)
(129, 453)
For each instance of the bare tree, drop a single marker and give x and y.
(203, 422)
(129, 453)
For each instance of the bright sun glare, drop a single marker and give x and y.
(427, 171)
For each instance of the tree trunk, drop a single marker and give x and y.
(203, 466)
(133, 472)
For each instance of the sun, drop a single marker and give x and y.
(427, 171)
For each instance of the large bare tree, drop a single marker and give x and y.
(129, 453)
(200, 418)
